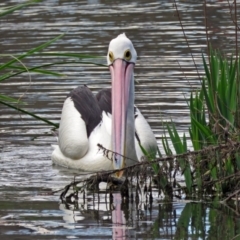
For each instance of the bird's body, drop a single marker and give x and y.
(109, 119)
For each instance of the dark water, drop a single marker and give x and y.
(166, 75)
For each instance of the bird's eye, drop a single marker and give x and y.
(127, 55)
(111, 56)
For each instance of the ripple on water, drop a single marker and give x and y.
(165, 73)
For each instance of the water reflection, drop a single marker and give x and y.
(119, 226)
(124, 219)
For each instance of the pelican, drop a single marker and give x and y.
(108, 118)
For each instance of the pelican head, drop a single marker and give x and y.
(121, 60)
(122, 48)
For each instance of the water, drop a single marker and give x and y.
(166, 75)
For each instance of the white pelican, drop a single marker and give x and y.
(109, 119)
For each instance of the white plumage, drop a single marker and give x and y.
(108, 119)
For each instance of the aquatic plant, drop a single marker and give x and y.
(15, 66)
(213, 169)
(212, 114)
(8, 10)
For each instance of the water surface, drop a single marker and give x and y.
(166, 75)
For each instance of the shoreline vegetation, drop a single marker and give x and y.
(212, 169)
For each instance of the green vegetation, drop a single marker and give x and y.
(15, 66)
(8, 10)
(214, 168)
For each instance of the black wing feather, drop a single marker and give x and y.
(104, 98)
(87, 105)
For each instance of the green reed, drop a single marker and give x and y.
(213, 110)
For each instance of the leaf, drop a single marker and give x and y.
(9, 99)
(181, 147)
(68, 54)
(32, 69)
(150, 157)
(17, 7)
(206, 131)
(30, 114)
(36, 70)
(166, 147)
(30, 52)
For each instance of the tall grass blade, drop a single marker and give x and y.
(6, 11)
(30, 114)
(150, 155)
(181, 147)
(30, 52)
(69, 54)
(33, 69)
(9, 99)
